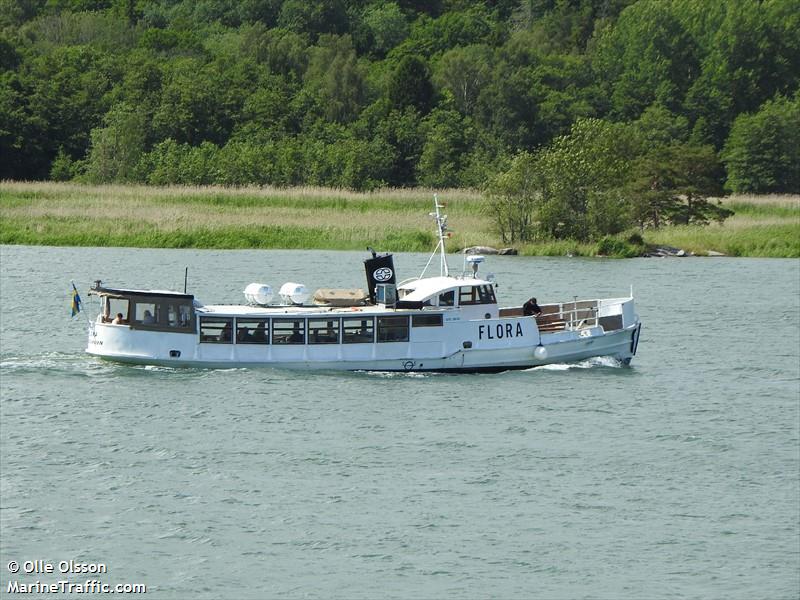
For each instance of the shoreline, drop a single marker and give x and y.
(396, 220)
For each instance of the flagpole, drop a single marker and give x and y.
(79, 303)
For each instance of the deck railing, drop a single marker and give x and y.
(577, 314)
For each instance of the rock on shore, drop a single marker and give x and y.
(659, 251)
(490, 250)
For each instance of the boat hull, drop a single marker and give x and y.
(564, 347)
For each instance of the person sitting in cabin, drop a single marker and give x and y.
(531, 308)
(118, 320)
(225, 334)
(243, 334)
(297, 335)
(260, 333)
(148, 318)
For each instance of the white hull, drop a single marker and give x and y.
(517, 352)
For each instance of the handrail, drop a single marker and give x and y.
(409, 280)
(576, 317)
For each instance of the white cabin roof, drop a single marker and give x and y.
(277, 310)
(421, 289)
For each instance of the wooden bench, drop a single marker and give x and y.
(550, 323)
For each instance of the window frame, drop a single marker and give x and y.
(382, 331)
(206, 320)
(162, 308)
(477, 294)
(313, 331)
(278, 330)
(424, 320)
(113, 305)
(245, 324)
(443, 295)
(353, 332)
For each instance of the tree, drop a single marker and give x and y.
(172, 163)
(266, 113)
(762, 153)
(315, 18)
(63, 167)
(334, 75)
(571, 188)
(658, 126)
(284, 52)
(512, 198)
(464, 71)
(387, 26)
(751, 58)
(200, 101)
(647, 57)
(117, 147)
(63, 97)
(19, 143)
(401, 132)
(410, 85)
(448, 138)
(431, 36)
(581, 172)
(672, 185)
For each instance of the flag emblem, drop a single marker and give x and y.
(76, 301)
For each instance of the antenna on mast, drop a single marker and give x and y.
(441, 229)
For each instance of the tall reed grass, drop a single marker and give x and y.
(46, 213)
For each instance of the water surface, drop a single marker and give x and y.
(676, 477)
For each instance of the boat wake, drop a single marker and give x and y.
(50, 363)
(589, 363)
(403, 374)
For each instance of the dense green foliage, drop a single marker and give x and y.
(763, 151)
(603, 178)
(362, 94)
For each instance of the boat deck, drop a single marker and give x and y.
(562, 316)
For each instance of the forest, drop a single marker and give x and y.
(576, 118)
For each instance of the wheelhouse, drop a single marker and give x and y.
(452, 292)
(146, 309)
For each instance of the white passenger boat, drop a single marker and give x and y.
(439, 323)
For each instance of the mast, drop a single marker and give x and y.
(441, 230)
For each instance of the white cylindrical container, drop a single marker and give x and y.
(293, 293)
(258, 293)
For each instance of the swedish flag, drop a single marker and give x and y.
(76, 301)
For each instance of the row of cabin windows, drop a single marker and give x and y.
(323, 330)
(152, 313)
(474, 294)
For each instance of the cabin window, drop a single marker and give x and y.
(476, 294)
(447, 298)
(426, 320)
(160, 313)
(179, 314)
(216, 330)
(392, 329)
(252, 331)
(323, 331)
(358, 330)
(117, 306)
(288, 331)
(146, 313)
